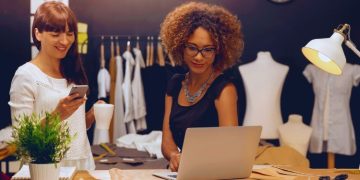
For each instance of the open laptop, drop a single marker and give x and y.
(217, 153)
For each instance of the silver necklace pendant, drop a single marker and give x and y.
(192, 98)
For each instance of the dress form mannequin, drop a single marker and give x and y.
(263, 81)
(295, 134)
(331, 117)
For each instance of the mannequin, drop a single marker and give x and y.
(295, 134)
(263, 81)
(331, 117)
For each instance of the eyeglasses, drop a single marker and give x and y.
(206, 52)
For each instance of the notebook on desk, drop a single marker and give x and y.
(217, 153)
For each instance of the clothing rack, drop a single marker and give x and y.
(129, 37)
(150, 44)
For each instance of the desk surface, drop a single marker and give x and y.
(7, 152)
(147, 174)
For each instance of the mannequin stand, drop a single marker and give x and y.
(331, 160)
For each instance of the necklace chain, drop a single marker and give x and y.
(191, 98)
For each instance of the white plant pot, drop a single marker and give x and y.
(44, 171)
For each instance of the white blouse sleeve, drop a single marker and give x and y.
(22, 94)
(308, 72)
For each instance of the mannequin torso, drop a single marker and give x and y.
(263, 81)
(295, 134)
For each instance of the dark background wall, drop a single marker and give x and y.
(280, 29)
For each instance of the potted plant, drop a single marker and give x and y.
(41, 144)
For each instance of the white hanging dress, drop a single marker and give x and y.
(103, 80)
(138, 93)
(127, 91)
(119, 114)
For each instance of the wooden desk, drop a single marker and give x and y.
(144, 174)
(147, 174)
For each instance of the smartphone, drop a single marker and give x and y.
(81, 89)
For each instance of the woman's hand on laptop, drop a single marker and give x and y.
(174, 161)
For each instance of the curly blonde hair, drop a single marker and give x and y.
(223, 26)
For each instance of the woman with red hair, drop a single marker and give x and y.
(43, 84)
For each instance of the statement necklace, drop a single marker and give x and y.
(191, 98)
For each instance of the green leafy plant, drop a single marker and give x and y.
(41, 142)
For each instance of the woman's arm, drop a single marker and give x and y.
(226, 106)
(90, 118)
(168, 146)
(68, 105)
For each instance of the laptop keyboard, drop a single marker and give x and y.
(172, 175)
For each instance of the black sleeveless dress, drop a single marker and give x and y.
(201, 114)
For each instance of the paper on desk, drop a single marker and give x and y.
(100, 174)
(270, 172)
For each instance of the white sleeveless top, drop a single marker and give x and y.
(34, 91)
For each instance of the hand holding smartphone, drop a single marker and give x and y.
(80, 89)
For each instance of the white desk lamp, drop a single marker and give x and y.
(327, 53)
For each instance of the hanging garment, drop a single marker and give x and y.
(148, 52)
(103, 75)
(151, 59)
(119, 124)
(138, 93)
(127, 91)
(160, 54)
(142, 61)
(103, 80)
(112, 71)
(331, 118)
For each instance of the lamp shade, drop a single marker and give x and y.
(327, 53)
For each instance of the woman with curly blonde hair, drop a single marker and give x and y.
(206, 39)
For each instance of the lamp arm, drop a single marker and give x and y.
(352, 46)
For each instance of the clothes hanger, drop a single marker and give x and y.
(117, 46)
(128, 47)
(151, 60)
(148, 52)
(160, 53)
(137, 42)
(102, 56)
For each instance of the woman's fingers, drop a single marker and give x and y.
(68, 105)
(172, 168)
(71, 97)
(73, 103)
(174, 162)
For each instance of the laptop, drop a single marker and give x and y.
(217, 153)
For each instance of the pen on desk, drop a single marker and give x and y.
(100, 156)
(106, 147)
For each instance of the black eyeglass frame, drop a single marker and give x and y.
(193, 47)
